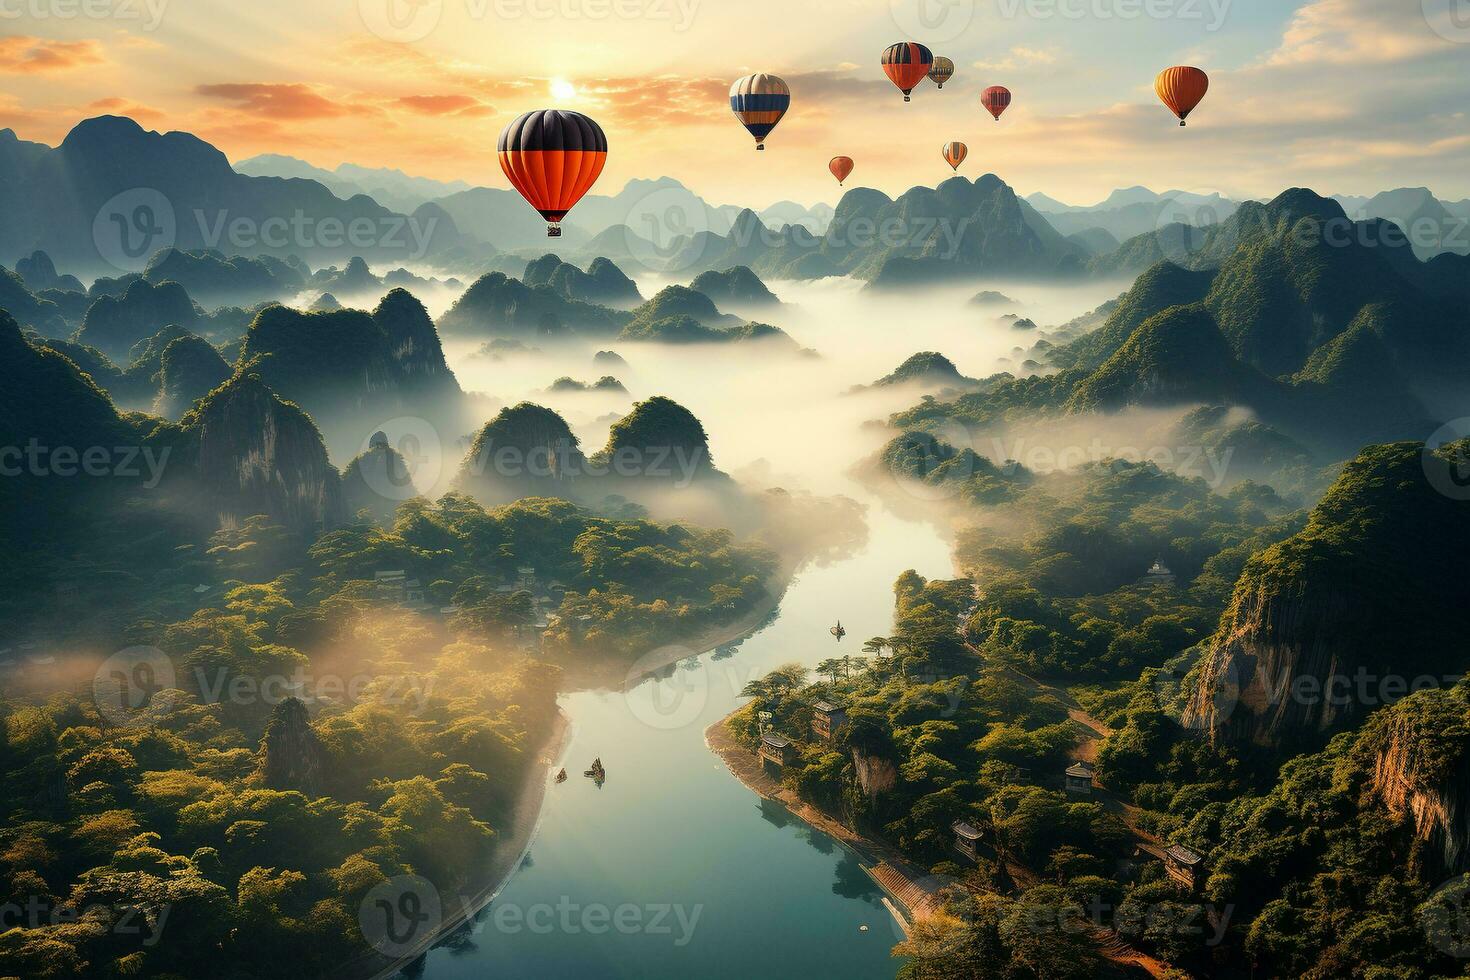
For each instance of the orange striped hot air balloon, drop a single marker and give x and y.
(840, 167)
(995, 99)
(1181, 88)
(954, 154)
(759, 101)
(942, 71)
(906, 64)
(552, 156)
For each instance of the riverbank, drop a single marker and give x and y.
(620, 675)
(914, 891)
(513, 843)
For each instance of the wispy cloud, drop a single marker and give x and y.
(444, 105)
(279, 101)
(1020, 57)
(21, 54)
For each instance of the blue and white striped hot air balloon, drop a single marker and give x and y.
(759, 101)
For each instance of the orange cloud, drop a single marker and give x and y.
(116, 106)
(656, 102)
(24, 55)
(278, 101)
(444, 105)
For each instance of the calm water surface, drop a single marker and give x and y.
(673, 869)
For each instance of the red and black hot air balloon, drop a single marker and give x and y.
(995, 99)
(907, 63)
(552, 156)
(840, 167)
(1181, 88)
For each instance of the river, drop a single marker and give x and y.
(673, 869)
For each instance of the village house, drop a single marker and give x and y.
(966, 839)
(1183, 865)
(827, 720)
(775, 750)
(1079, 778)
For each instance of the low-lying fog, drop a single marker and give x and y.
(775, 417)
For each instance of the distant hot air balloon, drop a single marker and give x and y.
(906, 63)
(552, 156)
(954, 154)
(759, 101)
(840, 167)
(942, 71)
(1181, 88)
(995, 99)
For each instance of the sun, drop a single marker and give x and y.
(563, 89)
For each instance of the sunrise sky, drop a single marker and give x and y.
(1346, 96)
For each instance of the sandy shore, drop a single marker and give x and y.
(909, 886)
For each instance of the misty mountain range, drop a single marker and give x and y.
(112, 194)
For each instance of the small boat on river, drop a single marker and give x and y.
(838, 631)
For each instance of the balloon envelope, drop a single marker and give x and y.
(942, 71)
(995, 99)
(1181, 88)
(552, 157)
(759, 101)
(955, 153)
(906, 64)
(840, 167)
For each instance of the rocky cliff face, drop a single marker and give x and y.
(324, 359)
(248, 452)
(526, 450)
(874, 774)
(188, 369)
(1353, 612)
(377, 480)
(291, 755)
(1420, 771)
